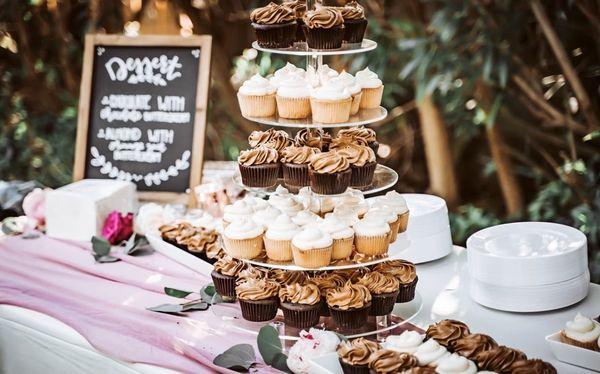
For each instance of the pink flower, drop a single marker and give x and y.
(117, 227)
(34, 205)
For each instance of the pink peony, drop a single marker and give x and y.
(34, 205)
(117, 227)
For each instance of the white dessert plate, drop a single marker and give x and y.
(179, 255)
(527, 254)
(573, 355)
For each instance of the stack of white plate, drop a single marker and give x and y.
(528, 266)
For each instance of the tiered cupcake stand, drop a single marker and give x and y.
(385, 178)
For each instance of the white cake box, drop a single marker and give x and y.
(78, 210)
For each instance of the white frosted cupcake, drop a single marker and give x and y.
(265, 216)
(312, 248)
(293, 98)
(430, 353)
(346, 214)
(395, 200)
(407, 342)
(289, 206)
(281, 193)
(371, 236)
(348, 81)
(278, 238)
(455, 364)
(582, 332)
(243, 238)
(257, 97)
(286, 72)
(355, 202)
(306, 217)
(237, 211)
(325, 74)
(330, 103)
(387, 214)
(372, 89)
(342, 235)
(255, 202)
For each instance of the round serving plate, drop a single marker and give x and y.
(403, 313)
(394, 252)
(301, 49)
(384, 179)
(363, 117)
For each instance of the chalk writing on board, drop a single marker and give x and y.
(157, 70)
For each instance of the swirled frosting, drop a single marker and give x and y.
(533, 366)
(311, 238)
(392, 200)
(447, 331)
(420, 370)
(252, 273)
(368, 79)
(404, 271)
(456, 364)
(288, 206)
(296, 293)
(387, 215)
(256, 203)
(228, 266)
(282, 228)
(407, 342)
(347, 214)
(257, 86)
(499, 359)
(298, 155)
(265, 216)
(285, 277)
(298, 6)
(357, 155)
(379, 283)
(323, 18)
(349, 296)
(355, 202)
(244, 228)
(337, 228)
(328, 281)
(352, 11)
(306, 217)
(294, 86)
(258, 138)
(238, 210)
(371, 227)
(342, 141)
(360, 132)
(316, 138)
(357, 351)
(272, 14)
(582, 329)
(430, 353)
(387, 361)
(331, 91)
(470, 345)
(329, 163)
(258, 156)
(281, 193)
(257, 289)
(348, 81)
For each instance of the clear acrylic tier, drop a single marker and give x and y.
(301, 49)
(363, 117)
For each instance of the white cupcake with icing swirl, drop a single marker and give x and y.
(236, 211)
(582, 332)
(312, 247)
(243, 238)
(430, 353)
(455, 364)
(306, 217)
(407, 342)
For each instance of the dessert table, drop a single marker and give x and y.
(61, 312)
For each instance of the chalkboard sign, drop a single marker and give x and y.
(142, 111)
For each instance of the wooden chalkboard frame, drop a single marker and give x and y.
(204, 42)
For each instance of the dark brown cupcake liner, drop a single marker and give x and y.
(295, 175)
(264, 175)
(300, 31)
(224, 285)
(351, 319)
(382, 304)
(178, 245)
(275, 36)
(259, 310)
(354, 30)
(407, 291)
(300, 315)
(330, 184)
(362, 176)
(324, 309)
(318, 38)
(354, 369)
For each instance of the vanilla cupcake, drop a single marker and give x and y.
(395, 201)
(372, 89)
(237, 211)
(330, 103)
(264, 217)
(348, 81)
(371, 236)
(430, 353)
(306, 217)
(582, 332)
(281, 193)
(278, 238)
(293, 98)
(455, 364)
(347, 214)
(312, 248)
(325, 74)
(286, 72)
(243, 238)
(255, 202)
(342, 235)
(407, 342)
(256, 97)
(387, 215)
(354, 202)
(289, 206)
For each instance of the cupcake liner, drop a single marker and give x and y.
(295, 176)
(257, 105)
(372, 245)
(318, 38)
(330, 184)
(355, 106)
(407, 291)
(324, 308)
(362, 176)
(243, 248)
(353, 369)
(342, 248)
(300, 315)
(293, 107)
(403, 222)
(312, 258)
(264, 175)
(351, 319)
(275, 36)
(382, 304)
(224, 285)
(300, 31)
(374, 146)
(394, 230)
(593, 345)
(278, 250)
(354, 30)
(371, 97)
(330, 111)
(259, 310)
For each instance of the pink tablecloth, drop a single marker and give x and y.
(106, 302)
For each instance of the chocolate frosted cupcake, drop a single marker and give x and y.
(355, 23)
(295, 162)
(199, 244)
(447, 331)
(324, 28)
(258, 138)
(300, 304)
(362, 163)
(275, 26)
(420, 370)
(349, 305)
(259, 167)
(386, 361)
(534, 366)
(384, 291)
(363, 134)
(327, 282)
(406, 273)
(499, 359)
(299, 8)
(224, 277)
(259, 299)
(316, 138)
(252, 273)
(356, 355)
(285, 277)
(176, 234)
(329, 173)
(470, 345)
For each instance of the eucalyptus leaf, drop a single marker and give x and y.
(167, 308)
(268, 343)
(240, 357)
(105, 258)
(279, 362)
(100, 246)
(194, 305)
(31, 235)
(134, 244)
(176, 293)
